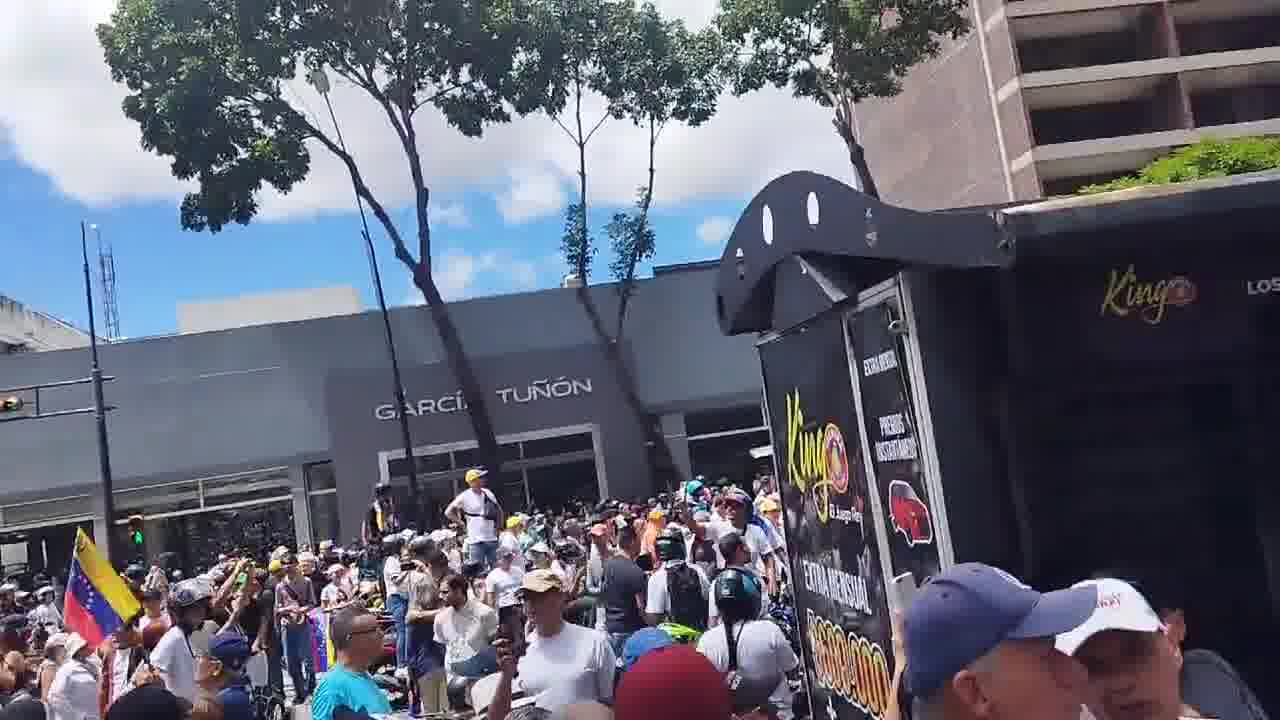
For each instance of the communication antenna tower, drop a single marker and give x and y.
(107, 271)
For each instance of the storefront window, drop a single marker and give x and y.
(320, 476)
(707, 422)
(553, 487)
(324, 517)
(728, 457)
(246, 488)
(159, 499)
(192, 542)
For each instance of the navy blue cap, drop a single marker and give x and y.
(966, 611)
(230, 648)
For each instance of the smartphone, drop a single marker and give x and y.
(903, 589)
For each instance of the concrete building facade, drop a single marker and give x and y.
(23, 329)
(1046, 96)
(277, 433)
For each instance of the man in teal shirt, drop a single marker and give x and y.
(358, 642)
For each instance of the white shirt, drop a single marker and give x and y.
(504, 585)
(508, 541)
(46, 615)
(575, 665)
(465, 631)
(172, 657)
(73, 694)
(762, 650)
(471, 501)
(657, 599)
(391, 576)
(759, 542)
(120, 673)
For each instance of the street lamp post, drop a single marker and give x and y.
(99, 407)
(320, 81)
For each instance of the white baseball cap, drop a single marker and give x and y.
(1120, 607)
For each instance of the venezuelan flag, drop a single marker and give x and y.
(98, 602)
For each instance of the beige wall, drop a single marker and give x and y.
(24, 329)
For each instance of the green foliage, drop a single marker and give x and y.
(207, 80)
(832, 50)
(1208, 158)
(577, 252)
(633, 239)
(657, 70)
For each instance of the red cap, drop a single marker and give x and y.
(677, 679)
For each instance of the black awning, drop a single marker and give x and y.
(809, 216)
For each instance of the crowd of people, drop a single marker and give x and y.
(614, 611)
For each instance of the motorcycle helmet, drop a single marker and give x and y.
(189, 592)
(568, 552)
(670, 546)
(738, 594)
(176, 575)
(391, 544)
(135, 572)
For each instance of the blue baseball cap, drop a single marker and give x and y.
(966, 611)
(642, 642)
(231, 649)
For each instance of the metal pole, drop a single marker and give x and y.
(405, 437)
(99, 409)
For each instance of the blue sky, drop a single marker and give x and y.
(68, 154)
(159, 265)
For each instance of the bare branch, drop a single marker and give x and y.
(597, 126)
(566, 130)
(362, 189)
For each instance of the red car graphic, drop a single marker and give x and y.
(909, 513)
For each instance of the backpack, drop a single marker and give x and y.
(688, 603)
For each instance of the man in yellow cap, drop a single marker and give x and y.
(478, 509)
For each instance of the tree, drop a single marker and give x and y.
(1208, 158)
(207, 82)
(664, 73)
(649, 70)
(837, 52)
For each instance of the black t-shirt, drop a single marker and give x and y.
(623, 580)
(251, 617)
(266, 607)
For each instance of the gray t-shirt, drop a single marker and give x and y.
(1212, 686)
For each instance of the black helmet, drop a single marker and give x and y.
(383, 487)
(670, 546)
(738, 594)
(392, 542)
(176, 576)
(568, 551)
(135, 572)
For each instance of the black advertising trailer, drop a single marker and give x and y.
(1055, 388)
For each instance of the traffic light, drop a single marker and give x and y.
(135, 530)
(11, 405)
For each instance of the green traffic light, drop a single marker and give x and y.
(137, 537)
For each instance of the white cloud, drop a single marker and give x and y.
(714, 230)
(452, 214)
(61, 112)
(457, 274)
(532, 195)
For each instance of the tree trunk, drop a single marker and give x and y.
(460, 364)
(858, 159)
(627, 382)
